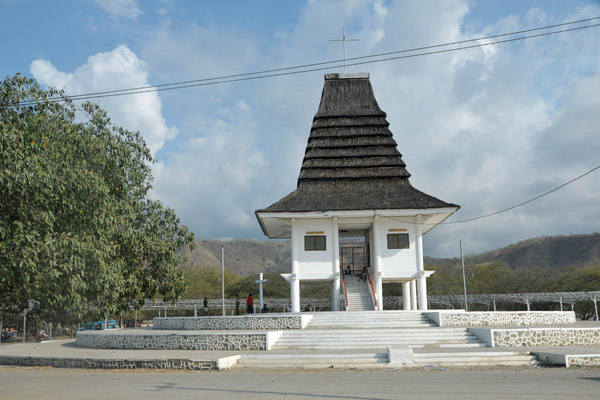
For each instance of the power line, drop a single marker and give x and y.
(499, 211)
(321, 65)
(525, 202)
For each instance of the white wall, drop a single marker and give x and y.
(315, 264)
(398, 263)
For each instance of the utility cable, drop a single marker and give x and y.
(499, 211)
(303, 68)
(525, 202)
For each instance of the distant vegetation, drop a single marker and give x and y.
(247, 257)
(546, 264)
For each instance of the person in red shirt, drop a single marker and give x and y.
(250, 304)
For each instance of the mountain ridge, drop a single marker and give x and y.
(248, 256)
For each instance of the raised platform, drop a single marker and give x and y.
(584, 334)
(148, 339)
(467, 339)
(248, 322)
(460, 318)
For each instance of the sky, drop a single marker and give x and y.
(485, 128)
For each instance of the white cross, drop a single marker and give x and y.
(344, 40)
(260, 282)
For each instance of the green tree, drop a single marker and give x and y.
(77, 230)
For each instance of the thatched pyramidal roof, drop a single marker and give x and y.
(351, 161)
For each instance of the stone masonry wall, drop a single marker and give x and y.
(229, 323)
(204, 341)
(465, 319)
(178, 364)
(546, 337)
(583, 361)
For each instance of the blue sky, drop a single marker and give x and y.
(485, 128)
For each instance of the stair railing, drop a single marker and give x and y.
(345, 289)
(372, 289)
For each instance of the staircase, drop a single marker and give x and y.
(359, 297)
(360, 340)
(373, 330)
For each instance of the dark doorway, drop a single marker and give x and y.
(354, 250)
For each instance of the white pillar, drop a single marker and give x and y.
(295, 282)
(335, 289)
(413, 294)
(406, 295)
(377, 250)
(421, 280)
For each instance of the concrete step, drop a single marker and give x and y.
(314, 361)
(382, 332)
(419, 330)
(369, 324)
(475, 359)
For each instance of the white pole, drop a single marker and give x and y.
(462, 259)
(561, 307)
(223, 278)
(24, 324)
(260, 290)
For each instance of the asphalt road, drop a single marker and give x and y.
(520, 383)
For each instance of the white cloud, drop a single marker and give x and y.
(117, 69)
(483, 128)
(128, 9)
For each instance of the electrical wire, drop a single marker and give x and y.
(499, 211)
(525, 202)
(306, 67)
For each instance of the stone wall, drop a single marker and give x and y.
(587, 360)
(466, 319)
(534, 337)
(256, 322)
(171, 341)
(179, 364)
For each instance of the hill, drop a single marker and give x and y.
(243, 256)
(544, 252)
(246, 257)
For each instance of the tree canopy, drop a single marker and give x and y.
(77, 229)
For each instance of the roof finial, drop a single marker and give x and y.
(344, 40)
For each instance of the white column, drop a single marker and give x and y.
(413, 294)
(421, 280)
(377, 250)
(335, 298)
(295, 282)
(406, 295)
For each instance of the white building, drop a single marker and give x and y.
(354, 205)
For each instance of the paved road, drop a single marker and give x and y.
(522, 383)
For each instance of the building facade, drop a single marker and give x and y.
(354, 209)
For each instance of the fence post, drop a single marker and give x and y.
(561, 307)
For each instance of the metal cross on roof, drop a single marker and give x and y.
(344, 40)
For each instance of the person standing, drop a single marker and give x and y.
(250, 304)
(237, 304)
(205, 305)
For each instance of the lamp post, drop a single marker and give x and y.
(462, 259)
(223, 278)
